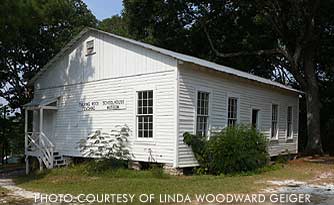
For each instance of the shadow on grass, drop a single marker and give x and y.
(21, 179)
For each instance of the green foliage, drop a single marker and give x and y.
(157, 171)
(116, 25)
(97, 167)
(109, 168)
(283, 158)
(234, 150)
(178, 25)
(31, 33)
(11, 134)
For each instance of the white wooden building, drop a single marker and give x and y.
(159, 94)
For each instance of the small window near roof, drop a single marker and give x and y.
(90, 47)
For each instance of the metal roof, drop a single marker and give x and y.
(36, 103)
(178, 56)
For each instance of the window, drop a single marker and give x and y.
(145, 114)
(202, 113)
(232, 117)
(289, 122)
(90, 47)
(274, 120)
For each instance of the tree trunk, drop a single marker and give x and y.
(314, 145)
(3, 153)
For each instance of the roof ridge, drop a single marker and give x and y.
(173, 54)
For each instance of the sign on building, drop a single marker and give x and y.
(117, 104)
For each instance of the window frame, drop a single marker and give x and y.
(258, 125)
(228, 96)
(141, 89)
(209, 91)
(271, 121)
(287, 123)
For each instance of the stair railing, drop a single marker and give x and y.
(38, 144)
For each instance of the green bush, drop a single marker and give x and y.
(157, 171)
(234, 150)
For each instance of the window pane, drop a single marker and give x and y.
(202, 113)
(274, 119)
(201, 126)
(289, 122)
(289, 115)
(232, 112)
(145, 114)
(202, 103)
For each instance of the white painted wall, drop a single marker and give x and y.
(116, 71)
(113, 58)
(250, 95)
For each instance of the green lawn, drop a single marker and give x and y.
(73, 181)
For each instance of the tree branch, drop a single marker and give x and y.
(241, 53)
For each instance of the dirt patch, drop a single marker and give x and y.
(319, 159)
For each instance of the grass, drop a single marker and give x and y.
(74, 180)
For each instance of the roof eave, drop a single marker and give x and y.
(185, 58)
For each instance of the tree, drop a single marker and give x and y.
(179, 26)
(4, 141)
(287, 40)
(32, 32)
(116, 25)
(296, 27)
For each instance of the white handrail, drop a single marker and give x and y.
(43, 144)
(47, 139)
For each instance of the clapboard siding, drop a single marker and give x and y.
(72, 124)
(115, 71)
(191, 78)
(113, 58)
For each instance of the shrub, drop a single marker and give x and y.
(157, 171)
(96, 167)
(233, 150)
(113, 145)
(283, 158)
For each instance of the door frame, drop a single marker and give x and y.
(258, 121)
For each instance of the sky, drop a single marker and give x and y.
(104, 8)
